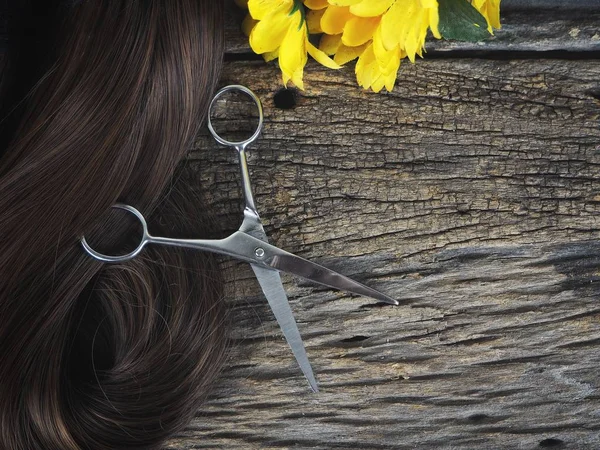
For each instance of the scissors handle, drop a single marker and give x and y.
(239, 245)
(250, 209)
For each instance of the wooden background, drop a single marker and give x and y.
(471, 193)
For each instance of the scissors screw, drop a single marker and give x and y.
(259, 252)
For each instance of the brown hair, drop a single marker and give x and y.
(101, 356)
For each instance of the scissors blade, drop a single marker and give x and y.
(244, 246)
(287, 262)
(270, 282)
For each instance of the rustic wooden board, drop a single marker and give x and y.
(555, 5)
(472, 194)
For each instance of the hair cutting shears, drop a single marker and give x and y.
(250, 244)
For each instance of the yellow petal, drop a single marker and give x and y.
(406, 24)
(268, 33)
(367, 71)
(364, 67)
(248, 24)
(434, 21)
(371, 8)
(316, 4)
(345, 54)
(260, 9)
(368, 74)
(388, 61)
(359, 30)
(390, 80)
(330, 43)
(292, 53)
(270, 56)
(394, 23)
(378, 83)
(313, 20)
(345, 2)
(493, 13)
(334, 19)
(490, 9)
(321, 57)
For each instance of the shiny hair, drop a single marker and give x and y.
(96, 356)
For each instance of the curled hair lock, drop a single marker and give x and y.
(96, 356)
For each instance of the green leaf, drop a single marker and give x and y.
(298, 5)
(461, 21)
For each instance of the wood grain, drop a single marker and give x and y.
(472, 194)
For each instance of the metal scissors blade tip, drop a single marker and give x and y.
(287, 262)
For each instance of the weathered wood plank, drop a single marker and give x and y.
(572, 26)
(556, 5)
(472, 194)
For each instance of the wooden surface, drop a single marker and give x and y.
(472, 194)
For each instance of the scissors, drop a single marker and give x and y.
(250, 244)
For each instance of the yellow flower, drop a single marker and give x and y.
(380, 33)
(389, 30)
(278, 30)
